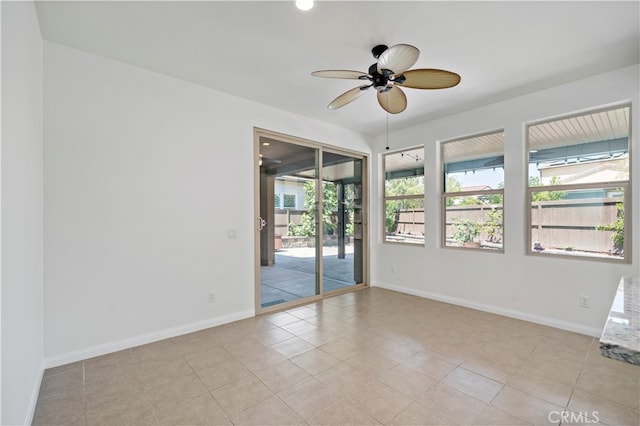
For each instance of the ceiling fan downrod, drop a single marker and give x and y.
(378, 49)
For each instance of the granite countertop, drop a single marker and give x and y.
(621, 335)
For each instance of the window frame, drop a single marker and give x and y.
(473, 193)
(386, 198)
(626, 186)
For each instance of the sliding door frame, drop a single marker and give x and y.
(259, 133)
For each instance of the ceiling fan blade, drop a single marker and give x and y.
(393, 100)
(355, 75)
(398, 58)
(429, 78)
(348, 96)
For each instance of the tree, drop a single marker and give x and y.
(545, 195)
(496, 198)
(466, 230)
(492, 225)
(307, 226)
(617, 228)
(451, 185)
(471, 201)
(412, 185)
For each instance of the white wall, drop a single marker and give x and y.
(291, 187)
(541, 289)
(144, 174)
(21, 226)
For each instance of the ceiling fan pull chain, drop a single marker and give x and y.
(387, 148)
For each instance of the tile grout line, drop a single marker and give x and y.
(575, 384)
(207, 388)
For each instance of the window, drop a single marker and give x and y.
(578, 191)
(404, 196)
(289, 201)
(285, 201)
(473, 191)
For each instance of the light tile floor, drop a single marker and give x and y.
(364, 358)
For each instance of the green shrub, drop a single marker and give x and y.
(617, 228)
(466, 230)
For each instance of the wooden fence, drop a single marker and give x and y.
(573, 223)
(556, 224)
(283, 217)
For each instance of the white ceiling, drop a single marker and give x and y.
(265, 51)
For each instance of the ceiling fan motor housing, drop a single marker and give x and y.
(380, 80)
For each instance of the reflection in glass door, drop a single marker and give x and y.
(311, 222)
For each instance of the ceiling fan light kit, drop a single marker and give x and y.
(388, 74)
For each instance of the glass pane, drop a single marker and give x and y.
(288, 252)
(578, 222)
(404, 186)
(588, 148)
(476, 180)
(404, 173)
(404, 220)
(474, 164)
(342, 249)
(474, 221)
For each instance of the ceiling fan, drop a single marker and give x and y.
(388, 74)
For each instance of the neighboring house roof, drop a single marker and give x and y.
(475, 188)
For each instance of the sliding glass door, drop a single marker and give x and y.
(311, 221)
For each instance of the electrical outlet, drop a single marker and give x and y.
(232, 234)
(212, 297)
(393, 269)
(585, 302)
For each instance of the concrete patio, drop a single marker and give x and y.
(293, 276)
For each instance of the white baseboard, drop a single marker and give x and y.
(551, 322)
(142, 339)
(34, 396)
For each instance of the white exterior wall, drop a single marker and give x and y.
(21, 227)
(536, 288)
(144, 176)
(282, 187)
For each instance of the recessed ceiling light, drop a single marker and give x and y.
(265, 144)
(304, 4)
